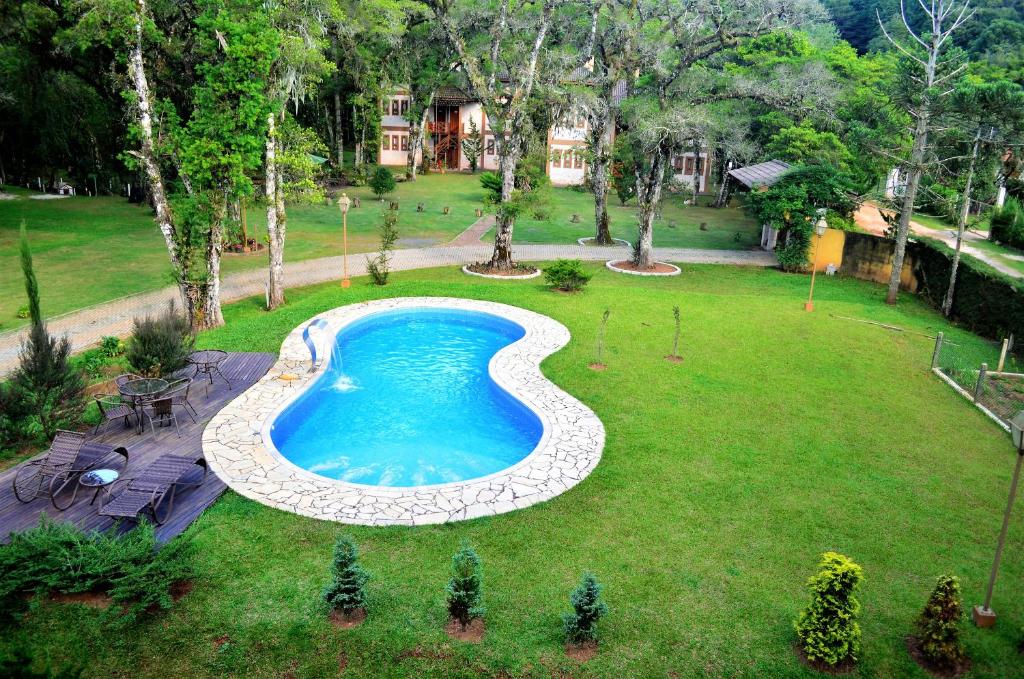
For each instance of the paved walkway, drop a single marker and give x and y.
(86, 327)
(870, 219)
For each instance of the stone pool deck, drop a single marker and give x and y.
(237, 445)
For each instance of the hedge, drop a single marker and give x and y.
(986, 302)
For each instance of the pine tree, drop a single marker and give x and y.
(347, 590)
(827, 629)
(473, 145)
(938, 626)
(465, 587)
(46, 393)
(581, 625)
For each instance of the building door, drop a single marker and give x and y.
(446, 137)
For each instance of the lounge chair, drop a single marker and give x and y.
(58, 470)
(152, 490)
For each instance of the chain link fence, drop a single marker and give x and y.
(988, 374)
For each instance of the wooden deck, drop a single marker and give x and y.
(243, 370)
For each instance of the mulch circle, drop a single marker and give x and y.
(915, 652)
(343, 620)
(581, 652)
(518, 272)
(845, 667)
(473, 633)
(597, 366)
(672, 358)
(657, 267)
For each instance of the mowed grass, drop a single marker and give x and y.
(782, 435)
(92, 250)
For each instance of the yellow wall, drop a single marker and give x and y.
(831, 249)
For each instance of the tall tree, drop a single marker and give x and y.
(991, 114)
(501, 50)
(930, 65)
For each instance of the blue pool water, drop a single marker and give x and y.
(407, 401)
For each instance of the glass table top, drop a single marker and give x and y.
(99, 477)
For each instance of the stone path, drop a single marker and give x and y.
(870, 219)
(85, 327)
(475, 232)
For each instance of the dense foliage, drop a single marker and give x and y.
(347, 589)
(827, 629)
(581, 625)
(160, 345)
(382, 182)
(55, 557)
(1006, 225)
(379, 266)
(465, 588)
(938, 626)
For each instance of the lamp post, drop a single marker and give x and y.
(819, 230)
(344, 203)
(983, 615)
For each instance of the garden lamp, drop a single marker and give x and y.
(345, 203)
(983, 615)
(819, 231)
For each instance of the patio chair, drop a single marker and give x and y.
(153, 489)
(120, 381)
(177, 391)
(58, 470)
(113, 407)
(160, 410)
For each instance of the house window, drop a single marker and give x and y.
(405, 142)
(387, 106)
(677, 163)
(689, 165)
(578, 160)
(394, 142)
(394, 107)
(490, 147)
(405, 106)
(386, 144)
(556, 158)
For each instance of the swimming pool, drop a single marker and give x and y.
(407, 400)
(501, 388)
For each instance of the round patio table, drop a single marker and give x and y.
(207, 362)
(98, 479)
(142, 391)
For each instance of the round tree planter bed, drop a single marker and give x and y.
(590, 242)
(516, 276)
(659, 268)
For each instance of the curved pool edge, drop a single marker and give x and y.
(570, 447)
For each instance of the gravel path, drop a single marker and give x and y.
(87, 326)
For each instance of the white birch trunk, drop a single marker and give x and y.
(275, 230)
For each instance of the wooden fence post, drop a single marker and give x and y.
(938, 350)
(981, 382)
(1002, 355)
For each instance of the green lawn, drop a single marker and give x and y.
(91, 250)
(783, 434)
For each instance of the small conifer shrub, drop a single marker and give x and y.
(827, 629)
(347, 589)
(567, 275)
(465, 587)
(581, 625)
(160, 345)
(938, 627)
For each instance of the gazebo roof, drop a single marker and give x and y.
(761, 174)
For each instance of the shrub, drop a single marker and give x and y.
(568, 275)
(465, 587)
(827, 629)
(382, 182)
(60, 557)
(581, 625)
(347, 590)
(938, 626)
(491, 183)
(160, 345)
(1007, 224)
(357, 175)
(111, 346)
(379, 267)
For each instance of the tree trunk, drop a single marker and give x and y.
(501, 258)
(696, 174)
(416, 129)
(648, 197)
(914, 180)
(599, 178)
(164, 219)
(338, 131)
(211, 316)
(723, 189)
(947, 303)
(275, 231)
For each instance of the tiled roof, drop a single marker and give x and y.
(452, 96)
(762, 174)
